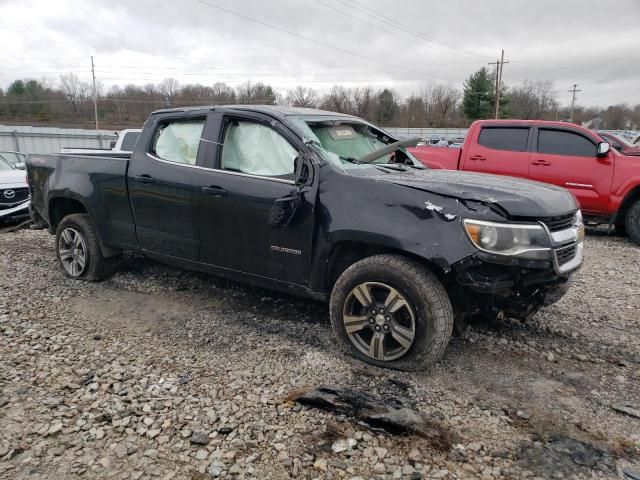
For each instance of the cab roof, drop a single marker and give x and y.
(276, 111)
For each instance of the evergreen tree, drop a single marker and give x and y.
(477, 102)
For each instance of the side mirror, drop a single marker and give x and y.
(112, 144)
(603, 149)
(20, 166)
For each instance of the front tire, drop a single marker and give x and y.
(78, 249)
(632, 223)
(391, 312)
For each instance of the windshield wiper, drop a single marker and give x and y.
(349, 159)
(390, 166)
(392, 147)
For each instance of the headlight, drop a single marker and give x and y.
(578, 224)
(525, 241)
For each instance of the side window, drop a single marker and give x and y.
(513, 139)
(256, 149)
(561, 142)
(129, 141)
(178, 141)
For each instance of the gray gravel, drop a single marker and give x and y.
(164, 373)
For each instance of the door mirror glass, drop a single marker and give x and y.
(603, 148)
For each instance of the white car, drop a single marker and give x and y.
(14, 191)
(123, 146)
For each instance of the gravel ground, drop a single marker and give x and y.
(164, 373)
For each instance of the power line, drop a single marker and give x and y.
(377, 27)
(379, 17)
(309, 39)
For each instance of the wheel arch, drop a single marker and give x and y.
(632, 197)
(61, 206)
(345, 253)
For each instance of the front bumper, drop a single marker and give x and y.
(19, 210)
(513, 287)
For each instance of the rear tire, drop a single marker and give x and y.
(620, 229)
(78, 249)
(391, 312)
(632, 223)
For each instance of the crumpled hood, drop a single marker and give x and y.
(13, 177)
(519, 198)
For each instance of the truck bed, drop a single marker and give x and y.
(437, 157)
(101, 181)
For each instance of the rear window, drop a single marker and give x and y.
(562, 142)
(504, 138)
(178, 141)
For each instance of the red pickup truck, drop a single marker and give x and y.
(606, 183)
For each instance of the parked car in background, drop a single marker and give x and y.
(15, 159)
(620, 144)
(14, 192)
(606, 184)
(124, 145)
(457, 142)
(322, 205)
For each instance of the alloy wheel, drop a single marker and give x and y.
(379, 321)
(73, 251)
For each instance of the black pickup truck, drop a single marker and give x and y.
(318, 204)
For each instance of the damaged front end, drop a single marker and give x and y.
(518, 267)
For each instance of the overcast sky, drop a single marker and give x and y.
(402, 44)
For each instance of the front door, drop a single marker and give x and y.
(163, 190)
(254, 218)
(569, 159)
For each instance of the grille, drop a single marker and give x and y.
(19, 195)
(566, 254)
(555, 224)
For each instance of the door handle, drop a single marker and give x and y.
(541, 163)
(477, 158)
(214, 191)
(144, 178)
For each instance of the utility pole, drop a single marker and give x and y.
(95, 93)
(499, 64)
(573, 91)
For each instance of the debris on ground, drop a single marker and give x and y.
(562, 454)
(389, 415)
(628, 408)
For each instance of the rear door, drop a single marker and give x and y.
(247, 197)
(499, 149)
(567, 157)
(162, 179)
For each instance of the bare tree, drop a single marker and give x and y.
(364, 102)
(74, 90)
(222, 93)
(534, 99)
(302, 97)
(337, 100)
(440, 103)
(255, 93)
(415, 114)
(169, 88)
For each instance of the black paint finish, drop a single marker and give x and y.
(274, 233)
